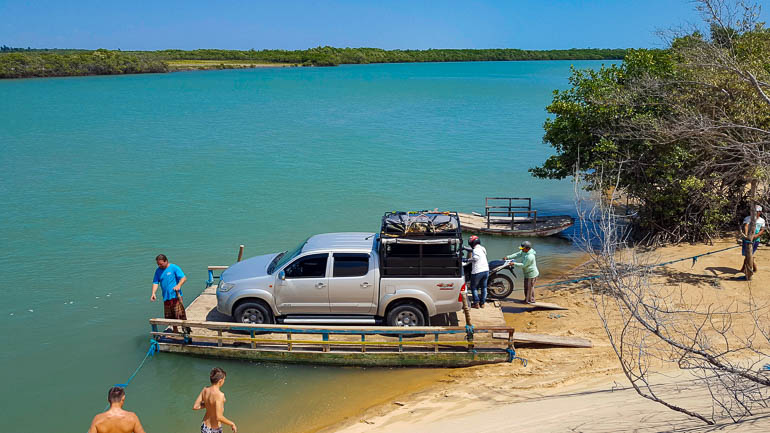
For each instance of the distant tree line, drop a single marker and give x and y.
(25, 64)
(331, 56)
(21, 62)
(7, 49)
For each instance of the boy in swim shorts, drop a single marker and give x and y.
(213, 400)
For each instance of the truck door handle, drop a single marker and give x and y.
(320, 285)
(365, 284)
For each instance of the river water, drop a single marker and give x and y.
(100, 174)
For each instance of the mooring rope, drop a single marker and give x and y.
(152, 350)
(593, 277)
(512, 355)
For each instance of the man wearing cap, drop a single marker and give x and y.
(528, 264)
(752, 241)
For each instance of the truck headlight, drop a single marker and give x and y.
(223, 287)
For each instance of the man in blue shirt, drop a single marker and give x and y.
(170, 278)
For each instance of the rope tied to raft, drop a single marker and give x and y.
(151, 351)
(593, 277)
(469, 332)
(512, 355)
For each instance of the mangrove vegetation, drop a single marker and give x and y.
(683, 132)
(20, 62)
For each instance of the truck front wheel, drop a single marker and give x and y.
(406, 315)
(253, 312)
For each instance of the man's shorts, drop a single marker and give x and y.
(746, 244)
(174, 309)
(207, 429)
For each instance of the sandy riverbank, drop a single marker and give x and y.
(195, 65)
(565, 389)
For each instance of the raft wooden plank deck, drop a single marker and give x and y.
(213, 336)
(544, 226)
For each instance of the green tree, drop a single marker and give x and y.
(683, 132)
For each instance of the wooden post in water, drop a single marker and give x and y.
(466, 309)
(240, 253)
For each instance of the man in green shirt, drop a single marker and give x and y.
(528, 265)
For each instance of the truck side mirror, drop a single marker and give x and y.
(282, 276)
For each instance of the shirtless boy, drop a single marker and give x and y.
(213, 400)
(115, 419)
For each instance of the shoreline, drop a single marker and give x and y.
(212, 65)
(577, 381)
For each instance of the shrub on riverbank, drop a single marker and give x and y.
(684, 132)
(99, 62)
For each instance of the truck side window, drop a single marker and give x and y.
(313, 266)
(351, 265)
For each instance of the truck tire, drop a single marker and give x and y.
(500, 286)
(253, 312)
(406, 314)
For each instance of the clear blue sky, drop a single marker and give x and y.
(296, 24)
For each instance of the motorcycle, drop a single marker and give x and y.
(499, 285)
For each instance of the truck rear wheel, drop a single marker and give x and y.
(406, 315)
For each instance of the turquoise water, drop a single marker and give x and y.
(100, 174)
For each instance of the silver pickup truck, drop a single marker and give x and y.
(343, 278)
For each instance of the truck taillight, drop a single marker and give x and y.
(462, 290)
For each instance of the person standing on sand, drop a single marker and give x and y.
(479, 272)
(170, 278)
(752, 241)
(528, 264)
(213, 400)
(115, 419)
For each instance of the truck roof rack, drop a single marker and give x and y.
(421, 225)
(410, 241)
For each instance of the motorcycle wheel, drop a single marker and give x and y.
(500, 286)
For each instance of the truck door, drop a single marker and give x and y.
(352, 285)
(305, 287)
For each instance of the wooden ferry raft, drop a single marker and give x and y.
(450, 345)
(513, 216)
(348, 346)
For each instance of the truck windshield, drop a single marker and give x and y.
(285, 257)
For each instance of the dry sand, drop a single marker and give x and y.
(568, 389)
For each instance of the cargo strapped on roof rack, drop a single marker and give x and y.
(421, 224)
(421, 244)
(410, 241)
